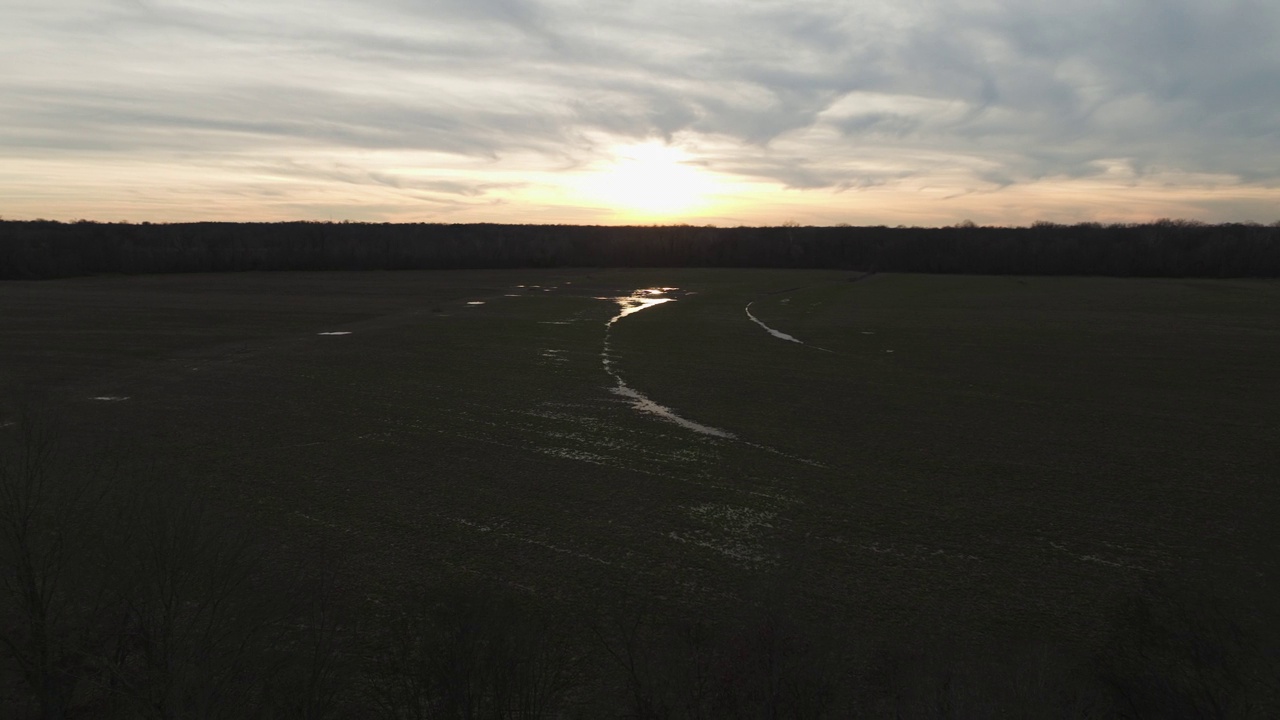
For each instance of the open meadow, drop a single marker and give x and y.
(967, 461)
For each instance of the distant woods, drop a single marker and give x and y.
(1167, 248)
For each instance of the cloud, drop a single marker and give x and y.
(352, 175)
(806, 94)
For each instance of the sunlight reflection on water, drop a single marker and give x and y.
(634, 305)
(635, 302)
(640, 300)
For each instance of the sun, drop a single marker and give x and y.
(651, 181)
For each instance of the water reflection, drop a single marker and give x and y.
(643, 299)
(771, 331)
(640, 300)
(781, 335)
(634, 305)
(644, 404)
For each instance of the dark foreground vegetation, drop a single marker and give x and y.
(120, 597)
(1166, 248)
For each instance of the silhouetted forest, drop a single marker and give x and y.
(1166, 248)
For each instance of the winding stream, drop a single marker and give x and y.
(635, 302)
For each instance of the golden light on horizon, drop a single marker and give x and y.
(649, 182)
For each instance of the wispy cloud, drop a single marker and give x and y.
(811, 96)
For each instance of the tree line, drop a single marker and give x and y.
(1166, 248)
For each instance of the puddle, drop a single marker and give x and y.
(511, 295)
(771, 331)
(641, 402)
(635, 302)
(781, 335)
(110, 398)
(555, 322)
(340, 332)
(476, 302)
(867, 332)
(639, 300)
(634, 305)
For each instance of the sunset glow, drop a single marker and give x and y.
(648, 183)
(553, 111)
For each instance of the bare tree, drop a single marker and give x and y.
(469, 654)
(54, 582)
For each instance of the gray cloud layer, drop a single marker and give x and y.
(809, 94)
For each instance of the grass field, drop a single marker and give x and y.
(976, 458)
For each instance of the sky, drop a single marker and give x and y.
(727, 112)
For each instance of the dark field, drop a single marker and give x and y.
(967, 461)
